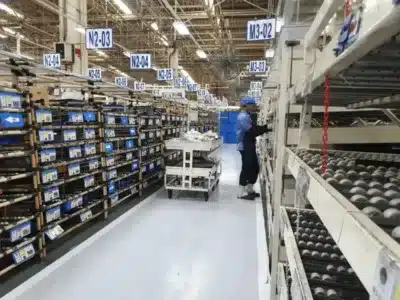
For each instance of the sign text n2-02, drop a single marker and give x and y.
(99, 38)
(261, 30)
(94, 73)
(140, 61)
(121, 81)
(257, 66)
(52, 60)
(165, 74)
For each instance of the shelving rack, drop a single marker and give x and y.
(362, 76)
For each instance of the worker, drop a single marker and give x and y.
(246, 132)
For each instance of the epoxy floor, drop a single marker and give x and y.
(164, 249)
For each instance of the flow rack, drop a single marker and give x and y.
(197, 171)
(173, 125)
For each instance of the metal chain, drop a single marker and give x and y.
(324, 158)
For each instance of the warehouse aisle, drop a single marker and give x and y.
(165, 249)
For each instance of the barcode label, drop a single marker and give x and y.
(89, 133)
(110, 120)
(132, 121)
(54, 232)
(129, 156)
(46, 135)
(110, 161)
(151, 135)
(53, 214)
(43, 116)
(87, 215)
(158, 133)
(90, 149)
(75, 117)
(112, 174)
(144, 152)
(74, 169)
(69, 135)
(142, 136)
(75, 152)
(88, 181)
(49, 175)
(93, 165)
(76, 202)
(109, 133)
(51, 194)
(20, 231)
(114, 199)
(23, 254)
(48, 155)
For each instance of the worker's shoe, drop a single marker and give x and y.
(255, 194)
(248, 197)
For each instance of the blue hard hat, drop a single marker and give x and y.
(247, 100)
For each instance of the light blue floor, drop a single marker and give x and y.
(178, 249)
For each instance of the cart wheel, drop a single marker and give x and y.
(206, 196)
(169, 194)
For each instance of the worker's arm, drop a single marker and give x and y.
(256, 130)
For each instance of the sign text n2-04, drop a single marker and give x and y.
(94, 73)
(121, 81)
(165, 74)
(261, 30)
(52, 60)
(257, 66)
(140, 61)
(99, 38)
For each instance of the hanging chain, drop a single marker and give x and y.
(324, 157)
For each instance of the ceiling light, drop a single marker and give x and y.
(27, 56)
(269, 53)
(181, 28)
(164, 37)
(10, 11)
(3, 36)
(127, 53)
(101, 53)
(154, 68)
(200, 53)
(80, 30)
(123, 7)
(154, 26)
(9, 30)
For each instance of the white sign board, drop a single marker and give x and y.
(165, 74)
(140, 61)
(261, 30)
(256, 85)
(181, 82)
(192, 87)
(99, 38)
(121, 81)
(139, 86)
(52, 60)
(94, 73)
(255, 93)
(258, 66)
(203, 92)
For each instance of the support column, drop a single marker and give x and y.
(173, 55)
(305, 126)
(73, 14)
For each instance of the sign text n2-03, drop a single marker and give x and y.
(165, 74)
(140, 61)
(139, 86)
(121, 81)
(99, 38)
(52, 60)
(257, 66)
(261, 30)
(94, 73)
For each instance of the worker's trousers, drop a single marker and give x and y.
(250, 167)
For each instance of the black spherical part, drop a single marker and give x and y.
(378, 201)
(396, 233)
(358, 191)
(375, 185)
(374, 193)
(361, 183)
(391, 186)
(391, 194)
(371, 211)
(360, 199)
(395, 203)
(392, 214)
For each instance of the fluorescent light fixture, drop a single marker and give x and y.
(154, 68)
(3, 36)
(13, 32)
(279, 24)
(164, 37)
(269, 53)
(127, 53)
(101, 53)
(123, 7)
(80, 30)
(180, 67)
(165, 43)
(10, 11)
(154, 26)
(185, 73)
(27, 56)
(112, 67)
(181, 28)
(200, 53)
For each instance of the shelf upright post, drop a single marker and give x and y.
(139, 127)
(279, 166)
(100, 117)
(305, 126)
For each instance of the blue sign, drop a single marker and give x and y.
(75, 117)
(11, 120)
(124, 120)
(108, 147)
(129, 144)
(89, 116)
(135, 165)
(132, 131)
(111, 188)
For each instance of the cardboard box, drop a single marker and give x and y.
(40, 94)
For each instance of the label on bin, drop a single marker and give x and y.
(108, 147)
(89, 116)
(23, 254)
(75, 152)
(114, 199)
(49, 175)
(89, 133)
(87, 215)
(129, 156)
(88, 181)
(132, 121)
(110, 120)
(54, 232)
(46, 135)
(151, 135)
(48, 155)
(90, 149)
(110, 161)
(20, 231)
(74, 169)
(43, 116)
(51, 194)
(93, 164)
(53, 214)
(109, 133)
(69, 135)
(76, 202)
(75, 117)
(112, 174)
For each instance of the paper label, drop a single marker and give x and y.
(93, 165)
(78, 201)
(43, 116)
(46, 135)
(75, 117)
(89, 116)
(51, 194)
(69, 135)
(53, 214)
(152, 151)
(87, 215)
(150, 122)
(132, 121)
(151, 166)
(142, 121)
(144, 152)
(54, 232)
(88, 181)
(158, 121)
(132, 131)
(74, 169)
(110, 120)
(75, 152)
(89, 133)
(114, 199)
(142, 136)
(110, 161)
(109, 133)
(20, 231)
(158, 149)
(47, 155)
(23, 254)
(169, 131)
(151, 135)
(90, 149)
(129, 156)
(49, 175)
(108, 147)
(158, 133)
(112, 174)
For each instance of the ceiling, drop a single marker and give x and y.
(220, 30)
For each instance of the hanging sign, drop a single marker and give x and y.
(121, 81)
(180, 82)
(52, 60)
(139, 86)
(261, 30)
(94, 73)
(165, 74)
(99, 38)
(203, 92)
(257, 66)
(254, 93)
(256, 85)
(140, 61)
(192, 87)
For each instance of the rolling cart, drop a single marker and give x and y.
(193, 172)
